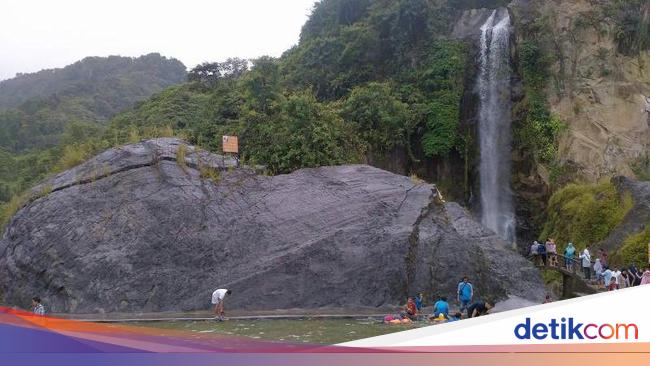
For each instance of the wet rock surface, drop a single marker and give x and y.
(140, 229)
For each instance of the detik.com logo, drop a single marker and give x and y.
(568, 328)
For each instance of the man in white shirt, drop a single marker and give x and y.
(218, 297)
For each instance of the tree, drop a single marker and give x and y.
(381, 119)
(209, 73)
(303, 133)
(262, 84)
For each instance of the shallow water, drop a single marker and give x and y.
(309, 331)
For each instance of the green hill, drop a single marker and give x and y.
(45, 113)
(35, 108)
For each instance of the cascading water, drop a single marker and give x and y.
(497, 211)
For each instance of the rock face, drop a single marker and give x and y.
(599, 92)
(159, 225)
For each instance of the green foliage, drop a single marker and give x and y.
(584, 214)
(302, 133)
(538, 132)
(634, 250)
(208, 74)
(181, 154)
(631, 19)
(208, 172)
(379, 116)
(367, 76)
(74, 155)
(437, 100)
(9, 209)
(40, 106)
(641, 166)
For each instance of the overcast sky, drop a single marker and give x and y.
(42, 34)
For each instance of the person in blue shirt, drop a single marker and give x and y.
(441, 307)
(419, 300)
(465, 293)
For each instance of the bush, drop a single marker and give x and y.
(585, 214)
(9, 209)
(634, 250)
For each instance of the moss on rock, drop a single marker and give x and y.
(585, 214)
(634, 250)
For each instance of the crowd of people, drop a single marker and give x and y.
(598, 270)
(441, 309)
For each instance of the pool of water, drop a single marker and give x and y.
(308, 330)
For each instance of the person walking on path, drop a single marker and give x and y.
(586, 263)
(37, 307)
(569, 255)
(645, 278)
(551, 251)
(465, 293)
(533, 252)
(598, 269)
(218, 298)
(618, 276)
(541, 250)
(635, 275)
(608, 274)
(604, 257)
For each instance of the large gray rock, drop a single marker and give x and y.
(136, 229)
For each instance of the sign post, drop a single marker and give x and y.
(230, 145)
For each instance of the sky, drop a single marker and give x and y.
(44, 34)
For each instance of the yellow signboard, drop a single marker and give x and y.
(230, 144)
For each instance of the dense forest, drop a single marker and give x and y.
(36, 108)
(43, 114)
(373, 81)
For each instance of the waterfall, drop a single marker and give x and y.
(497, 211)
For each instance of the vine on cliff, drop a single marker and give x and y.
(538, 130)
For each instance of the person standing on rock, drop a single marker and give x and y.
(218, 298)
(37, 307)
(586, 263)
(465, 293)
